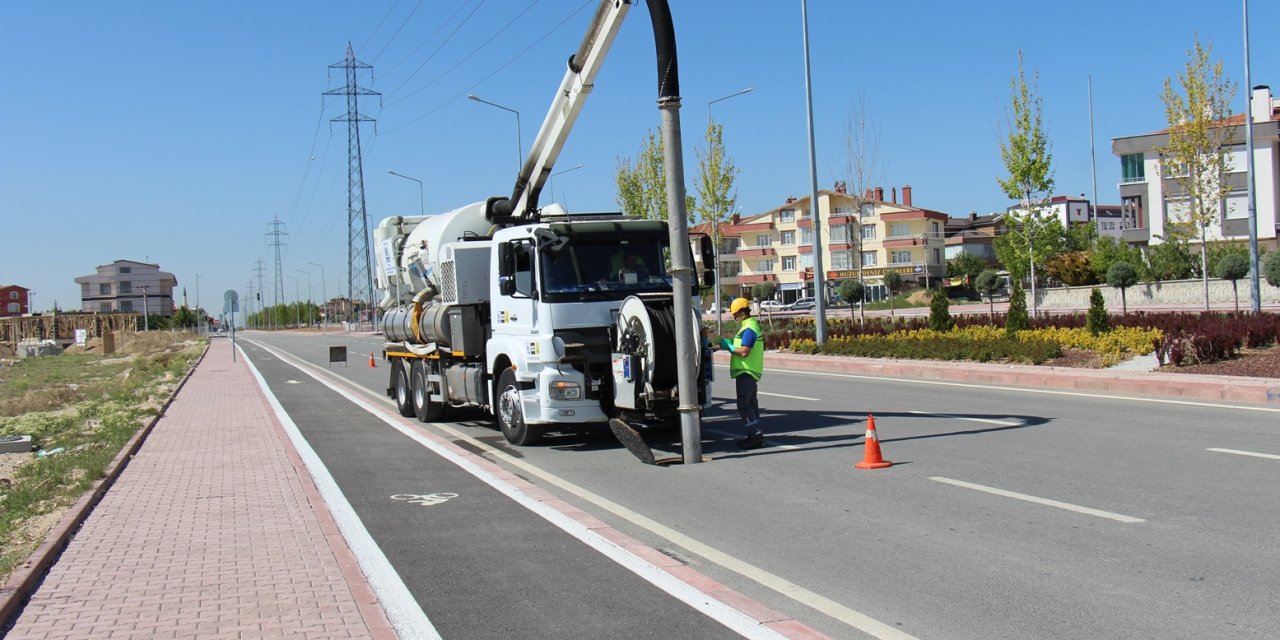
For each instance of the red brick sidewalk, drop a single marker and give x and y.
(214, 530)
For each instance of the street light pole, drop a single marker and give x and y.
(324, 316)
(551, 185)
(715, 224)
(421, 209)
(296, 298)
(308, 297)
(819, 278)
(519, 145)
(146, 324)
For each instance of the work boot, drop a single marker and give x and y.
(753, 441)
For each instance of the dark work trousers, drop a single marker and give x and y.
(748, 405)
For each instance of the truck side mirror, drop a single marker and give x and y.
(708, 250)
(506, 261)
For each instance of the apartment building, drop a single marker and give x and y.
(777, 246)
(974, 235)
(126, 286)
(1151, 202)
(14, 301)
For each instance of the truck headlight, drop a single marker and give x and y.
(566, 391)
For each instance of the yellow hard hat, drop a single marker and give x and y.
(738, 305)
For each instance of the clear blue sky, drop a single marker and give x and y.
(173, 132)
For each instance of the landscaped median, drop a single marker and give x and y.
(80, 409)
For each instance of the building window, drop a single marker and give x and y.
(868, 232)
(764, 240)
(899, 229)
(900, 257)
(104, 289)
(842, 211)
(126, 287)
(125, 270)
(13, 295)
(806, 236)
(764, 266)
(105, 307)
(842, 260)
(787, 215)
(126, 306)
(15, 307)
(789, 263)
(805, 261)
(1131, 168)
(937, 256)
(788, 238)
(868, 258)
(840, 233)
(935, 230)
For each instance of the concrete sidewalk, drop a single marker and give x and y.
(214, 530)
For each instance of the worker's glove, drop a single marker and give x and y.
(725, 344)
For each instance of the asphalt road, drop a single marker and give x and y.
(1009, 514)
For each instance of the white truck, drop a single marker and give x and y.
(542, 318)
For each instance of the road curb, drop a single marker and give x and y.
(24, 580)
(1184, 386)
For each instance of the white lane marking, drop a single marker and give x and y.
(1044, 501)
(783, 395)
(730, 434)
(715, 609)
(402, 610)
(1238, 452)
(1091, 396)
(1003, 423)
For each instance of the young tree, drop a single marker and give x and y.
(987, 283)
(716, 194)
(940, 311)
(1197, 159)
(642, 184)
(966, 264)
(892, 280)
(1017, 319)
(1108, 251)
(1096, 321)
(1271, 270)
(1233, 266)
(1028, 161)
(852, 292)
(764, 291)
(1122, 275)
(862, 160)
(1171, 259)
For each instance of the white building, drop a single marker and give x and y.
(127, 286)
(1149, 202)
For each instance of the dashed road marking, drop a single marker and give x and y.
(1044, 501)
(1238, 452)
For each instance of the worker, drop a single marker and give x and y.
(746, 366)
(628, 262)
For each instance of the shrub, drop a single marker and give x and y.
(1017, 319)
(940, 311)
(1272, 269)
(1096, 321)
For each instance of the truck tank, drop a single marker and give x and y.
(419, 252)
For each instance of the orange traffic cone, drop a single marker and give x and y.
(871, 458)
(372, 364)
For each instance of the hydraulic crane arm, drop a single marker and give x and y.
(578, 81)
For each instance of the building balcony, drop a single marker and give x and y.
(756, 278)
(739, 229)
(756, 252)
(1133, 180)
(897, 242)
(1140, 235)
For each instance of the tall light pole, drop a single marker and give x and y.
(715, 225)
(401, 175)
(146, 324)
(519, 145)
(819, 278)
(202, 330)
(324, 316)
(296, 297)
(308, 296)
(551, 185)
(1255, 298)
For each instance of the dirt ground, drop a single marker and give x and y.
(1258, 363)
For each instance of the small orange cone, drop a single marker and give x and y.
(372, 364)
(871, 458)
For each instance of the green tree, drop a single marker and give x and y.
(184, 317)
(1072, 268)
(1122, 275)
(986, 283)
(642, 184)
(716, 177)
(1197, 157)
(940, 311)
(1108, 251)
(1017, 319)
(1233, 266)
(1271, 269)
(966, 264)
(764, 291)
(1028, 161)
(862, 160)
(892, 281)
(1096, 321)
(1171, 259)
(852, 292)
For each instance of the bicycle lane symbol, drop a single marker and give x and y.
(425, 500)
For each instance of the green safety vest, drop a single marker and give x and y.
(753, 364)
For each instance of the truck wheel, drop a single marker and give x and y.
(510, 417)
(400, 384)
(423, 407)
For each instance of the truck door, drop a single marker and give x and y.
(514, 307)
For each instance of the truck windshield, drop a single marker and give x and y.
(607, 265)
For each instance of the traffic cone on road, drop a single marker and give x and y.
(871, 458)
(372, 364)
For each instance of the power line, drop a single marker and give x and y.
(375, 29)
(398, 30)
(390, 70)
(433, 53)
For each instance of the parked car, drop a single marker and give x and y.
(772, 305)
(803, 304)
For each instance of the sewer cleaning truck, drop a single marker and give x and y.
(545, 319)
